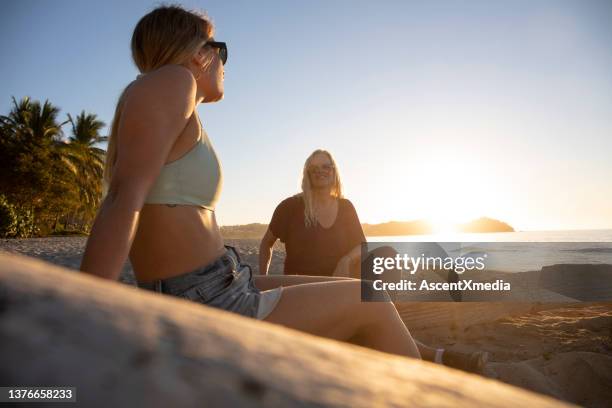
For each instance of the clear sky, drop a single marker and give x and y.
(445, 110)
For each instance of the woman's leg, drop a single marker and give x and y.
(427, 353)
(335, 310)
(266, 282)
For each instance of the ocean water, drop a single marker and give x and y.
(520, 251)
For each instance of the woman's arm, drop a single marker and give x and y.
(111, 236)
(265, 251)
(348, 264)
(156, 111)
(276, 230)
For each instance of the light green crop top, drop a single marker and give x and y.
(193, 179)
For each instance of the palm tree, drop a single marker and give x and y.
(41, 171)
(32, 175)
(31, 122)
(29, 132)
(86, 160)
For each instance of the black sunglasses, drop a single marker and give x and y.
(222, 49)
(327, 168)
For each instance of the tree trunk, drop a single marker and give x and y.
(57, 215)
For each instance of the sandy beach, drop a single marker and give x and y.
(68, 251)
(561, 350)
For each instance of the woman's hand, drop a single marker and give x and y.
(343, 268)
(265, 251)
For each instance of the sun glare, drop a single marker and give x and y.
(439, 226)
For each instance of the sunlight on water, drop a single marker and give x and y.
(602, 235)
(511, 251)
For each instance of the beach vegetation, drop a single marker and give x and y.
(16, 222)
(53, 181)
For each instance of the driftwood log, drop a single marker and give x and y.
(121, 346)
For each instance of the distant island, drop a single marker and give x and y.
(392, 228)
(484, 224)
(418, 227)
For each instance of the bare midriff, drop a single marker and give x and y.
(173, 240)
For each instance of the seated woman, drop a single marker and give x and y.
(163, 180)
(322, 236)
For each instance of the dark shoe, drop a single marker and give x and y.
(474, 362)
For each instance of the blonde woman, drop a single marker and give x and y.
(164, 180)
(320, 228)
(322, 236)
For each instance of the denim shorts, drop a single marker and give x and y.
(226, 283)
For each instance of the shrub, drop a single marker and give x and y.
(8, 218)
(16, 222)
(26, 224)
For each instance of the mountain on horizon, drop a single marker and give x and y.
(391, 228)
(485, 224)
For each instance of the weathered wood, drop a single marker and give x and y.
(121, 346)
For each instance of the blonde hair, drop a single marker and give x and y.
(167, 35)
(310, 216)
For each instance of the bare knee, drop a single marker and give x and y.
(376, 313)
(362, 314)
(369, 294)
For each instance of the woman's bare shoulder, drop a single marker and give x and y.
(346, 204)
(169, 81)
(154, 114)
(171, 72)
